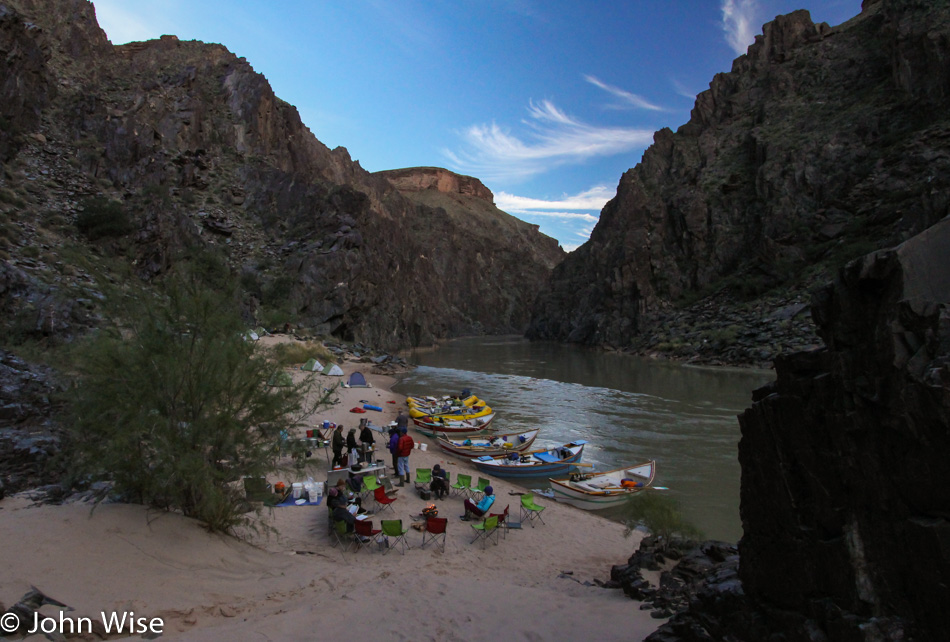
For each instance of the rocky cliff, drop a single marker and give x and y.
(187, 152)
(845, 479)
(819, 145)
(418, 179)
(458, 222)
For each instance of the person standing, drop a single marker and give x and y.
(352, 447)
(367, 441)
(402, 421)
(404, 448)
(337, 443)
(393, 447)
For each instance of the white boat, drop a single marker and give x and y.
(594, 491)
(534, 463)
(494, 444)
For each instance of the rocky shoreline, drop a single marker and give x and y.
(721, 330)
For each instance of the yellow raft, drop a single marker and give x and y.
(456, 414)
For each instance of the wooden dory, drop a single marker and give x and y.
(460, 428)
(537, 463)
(490, 445)
(593, 491)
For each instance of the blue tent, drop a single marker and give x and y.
(357, 380)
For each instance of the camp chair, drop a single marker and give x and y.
(423, 477)
(486, 529)
(435, 529)
(364, 528)
(393, 528)
(529, 509)
(476, 492)
(342, 537)
(461, 485)
(382, 499)
(502, 520)
(370, 484)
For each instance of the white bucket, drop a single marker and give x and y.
(423, 447)
(298, 489)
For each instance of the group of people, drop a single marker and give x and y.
(344, 502)
(355, 451)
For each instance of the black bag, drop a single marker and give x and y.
(425, 493)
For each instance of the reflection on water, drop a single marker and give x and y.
(628, 409)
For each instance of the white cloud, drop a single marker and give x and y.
(683, 90)
(593, 199)
(738, 18)
(576, 213)
(552, 138)
(632, 100)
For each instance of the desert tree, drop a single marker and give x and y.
(174, 407)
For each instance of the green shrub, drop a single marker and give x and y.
(103, 218)
(174, 409)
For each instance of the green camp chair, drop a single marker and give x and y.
(392, 528)
(342, 537)
(476, 492)
(461, 485)
(370, 484)
(529, 509)
(423, 478)
(486, 530)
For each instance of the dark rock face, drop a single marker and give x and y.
(29, 438)
(205, 159)
(844, 496)
(845, 479)
(820, 145)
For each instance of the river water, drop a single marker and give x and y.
(628, 409)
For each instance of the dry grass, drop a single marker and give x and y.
(288, 354)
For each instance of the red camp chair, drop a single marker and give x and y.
(364, 529)
(502, 520)
(382, 499)
(435, 529)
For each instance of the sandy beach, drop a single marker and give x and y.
(291, 584)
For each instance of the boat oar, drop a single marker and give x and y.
(585, 465)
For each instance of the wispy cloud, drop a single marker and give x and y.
(593, 199)
(683, 90)
(738, 20)
(551, 139)
(629, 99)
(574, 214)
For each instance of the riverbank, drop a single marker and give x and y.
(290, 583)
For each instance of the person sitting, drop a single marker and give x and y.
(352, 502)
(338, 507)
(354, 483)
(439, 486)
(473, 510)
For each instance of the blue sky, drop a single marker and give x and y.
(548, 102)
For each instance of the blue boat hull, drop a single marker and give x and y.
(536, 470)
